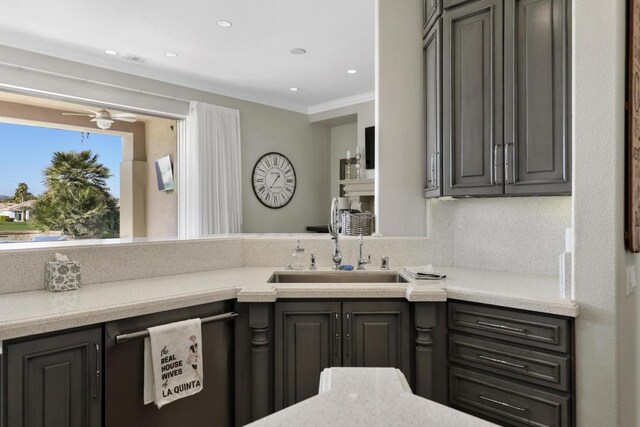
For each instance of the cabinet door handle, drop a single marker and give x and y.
(336, 325)
(505, 327)
(433, 171)
(497, 402)
(496, 163)
(509, 163)
(96, 394)
(348, 335)
(502, 362)
(435, 178)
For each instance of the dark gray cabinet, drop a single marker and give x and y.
(313, 335)
(308, 339)
(376, 334)
(505, 99)
(54, 380)
(432, 55)
(511, 366)
(472, 99)
(537, 141)
(432, 11)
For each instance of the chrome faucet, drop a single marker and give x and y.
(361, 261)
(334, 229)
(312, 266)
(384, 263)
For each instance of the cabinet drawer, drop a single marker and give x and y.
(527, 365)
(532, 329)
(506, 402)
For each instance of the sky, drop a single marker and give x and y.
(26, 150)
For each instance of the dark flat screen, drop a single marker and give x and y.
(370, 147)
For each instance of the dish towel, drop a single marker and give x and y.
(424, 272)
(173, 362)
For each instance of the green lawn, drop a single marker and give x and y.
(15, 226)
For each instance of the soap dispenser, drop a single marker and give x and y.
(298, 258)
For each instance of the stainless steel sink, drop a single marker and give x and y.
(337, 277)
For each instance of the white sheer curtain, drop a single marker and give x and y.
(209, 185)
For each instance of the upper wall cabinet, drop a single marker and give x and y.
(432, 12)
(537, 149)
(505, 99)
(472, 99)
(432, 48)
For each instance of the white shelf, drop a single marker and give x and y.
(358, 187)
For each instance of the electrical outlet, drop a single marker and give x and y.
(632, 281)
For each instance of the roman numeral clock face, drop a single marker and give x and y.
(274, 180)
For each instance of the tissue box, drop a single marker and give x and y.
(62, 276)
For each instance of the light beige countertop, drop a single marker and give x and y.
(33, 312)
(368, 397)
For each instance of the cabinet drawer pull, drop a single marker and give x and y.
(505, 327)
(502, 362)
(497, 402)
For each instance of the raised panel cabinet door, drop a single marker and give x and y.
(432, 11)
(377, 334)
(307, 339)
(472, 99)
(55, 380)
(432, 51)
(537, 134)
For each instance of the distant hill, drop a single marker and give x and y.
(3, 198)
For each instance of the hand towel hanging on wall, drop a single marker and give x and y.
(173, 362)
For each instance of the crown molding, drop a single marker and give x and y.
(341, 102)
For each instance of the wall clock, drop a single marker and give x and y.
(274, 180)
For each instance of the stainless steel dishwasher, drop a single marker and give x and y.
(124, 371)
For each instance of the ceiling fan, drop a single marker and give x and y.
(104, 119)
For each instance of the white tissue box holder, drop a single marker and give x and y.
(62, 276)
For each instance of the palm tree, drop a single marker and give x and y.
(22, 193)
(77, 200)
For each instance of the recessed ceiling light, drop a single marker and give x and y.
(293, 89)
(170, 54)
(224, 24)
(110, 52)
(298, 51)
(352, 71)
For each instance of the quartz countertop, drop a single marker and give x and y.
(33, 312)
(368, 397)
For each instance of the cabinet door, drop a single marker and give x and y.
(472, 99)
(307, 340)
(537, 134)
(432, 11)
(432, 49)
(377, 334)
(55, 381)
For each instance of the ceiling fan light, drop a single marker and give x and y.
(104, 123)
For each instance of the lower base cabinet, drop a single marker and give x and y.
(312, 336)
(54, 380)
(511, 367)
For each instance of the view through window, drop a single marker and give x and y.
(58, 184)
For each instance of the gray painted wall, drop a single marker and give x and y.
(400, 205)
(343, 138)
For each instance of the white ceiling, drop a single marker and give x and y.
(250, 60)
